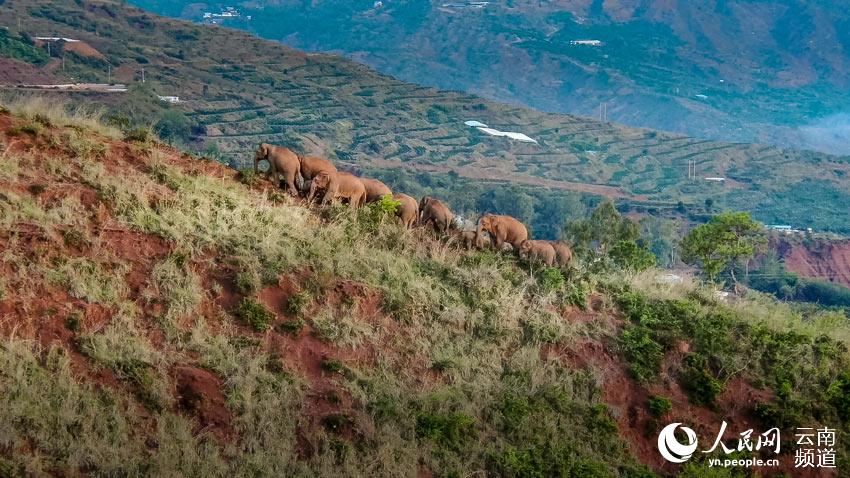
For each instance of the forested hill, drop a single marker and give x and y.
(772, 71)
(238, 90)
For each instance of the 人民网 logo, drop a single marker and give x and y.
(669, 445)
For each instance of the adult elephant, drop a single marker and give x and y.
(375, 189)
(407, 211)
(345, 186)
(435, 212)
(312, 166)
(502, 229)
(282, 162)
(537, 251)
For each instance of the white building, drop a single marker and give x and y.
(586, 42)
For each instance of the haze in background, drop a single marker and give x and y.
(766, 71)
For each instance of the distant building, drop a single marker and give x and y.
(715, 179)
(586, 42)
(55, 39)
(227, 13)
(170, 99)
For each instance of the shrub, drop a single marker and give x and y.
(74, 321)
(550, 279)
(839, 395)
(138, 135)
(448, 430)
(254, 314)
(248, 281)
(643, 354)
(292, 326)
(334, 366)
(298, 303)
(630, 255)
(698, 382)
(74, 238)
(658, 405)
(248, 177)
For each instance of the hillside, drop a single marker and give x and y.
(238, 90)
(159, 317)
(773, 71)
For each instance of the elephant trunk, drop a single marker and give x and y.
(478, 230)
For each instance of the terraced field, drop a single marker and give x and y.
(246, 90)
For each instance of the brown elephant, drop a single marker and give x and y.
(375, 189)
(312, 166)
(563, 253)
(538, 251)
(502, 229)
(345, 186)
(407, 211)
(436, 213)
(282, 161)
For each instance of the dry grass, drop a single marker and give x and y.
(48, 111)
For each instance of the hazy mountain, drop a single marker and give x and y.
(772, 71)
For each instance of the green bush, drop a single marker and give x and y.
(298, 303)
(248, 177)
(138, 135)
(248, 282)
(629, 255)
(292, 326)
(254, 314)
(643, 354)
(698, 382)
(448, 430)
(658, 405)
(550, 279)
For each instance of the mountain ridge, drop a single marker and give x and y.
(726, 70)
(240, 90)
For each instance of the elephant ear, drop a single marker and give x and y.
(266, 149)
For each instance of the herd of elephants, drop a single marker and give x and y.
(497, 231)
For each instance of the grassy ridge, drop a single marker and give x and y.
(241, 90)
(337, 342)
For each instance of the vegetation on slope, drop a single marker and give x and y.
(243, 90)
(653, 62)
(159, 317)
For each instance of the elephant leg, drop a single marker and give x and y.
(290, 183)
(275, 175)
(330, 195)
(498, 241)
(312, 192)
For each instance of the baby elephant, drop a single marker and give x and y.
(340, 185)
(538, 251)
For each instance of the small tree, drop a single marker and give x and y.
(604, 228)
(727, 240)
(606, 234)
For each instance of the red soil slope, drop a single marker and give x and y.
(42, 312)
(819, 259)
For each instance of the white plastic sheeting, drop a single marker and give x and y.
(510, 134)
